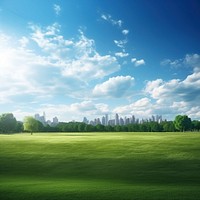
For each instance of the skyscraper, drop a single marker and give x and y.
(116, 119)
(106, 118)
(103, 121)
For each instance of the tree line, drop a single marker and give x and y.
(9, 124)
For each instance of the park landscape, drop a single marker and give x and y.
(100, 166)
(118, 83)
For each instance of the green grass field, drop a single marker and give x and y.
(111, 166)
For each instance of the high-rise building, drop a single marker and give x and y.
(106, 118)
(85, 120)
(121, 121)
(159, 118)
(103, 121)
(116, 119)
(40, 118)
(133, 119)
(44, 116)
(43, 120)
(55, 121)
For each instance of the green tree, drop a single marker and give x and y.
(168, 126)
(7, 123)
(81, 127)
(196, 125)
(100, 128)
(32, 125)
(109, 128)
(117, 128)
(19, 127)
(182, 123)
(89, 128)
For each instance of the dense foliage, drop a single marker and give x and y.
(8, 124)
(32, 125)
(183, 123)
(166, 126)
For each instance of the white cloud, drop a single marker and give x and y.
(89, 108)
(193, 60)
(190, 60)
(88, 68)
(186, 90)
(56, 66)
(24, 42)
(142, 108)
(138, 62)
(68, 112)
(25, 75)
(115, 87)
(105, 17)
(121, 54)
(78, 59)
(125, 32)
(121, 43)
(133, 60)
(178, 96)
(57, 9)
(109, 19)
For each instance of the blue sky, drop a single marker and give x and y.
(79, 58)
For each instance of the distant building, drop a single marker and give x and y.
(121, 121)
(103, 121)
(55, 121)
(133, 119)
(116, 119)
(111, 122)
(85, 120)
(42, 119)
(106, 118)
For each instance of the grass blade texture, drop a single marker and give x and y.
(110, 166)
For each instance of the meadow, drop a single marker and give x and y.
(100, 166)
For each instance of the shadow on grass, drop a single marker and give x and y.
(164, 171)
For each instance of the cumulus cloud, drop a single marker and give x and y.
(109, 19)
(56, 66)
(180, 96)
(19, 71)
(115, 87)
(24, 73)
(78, 58)
(190, 60)
(193, 60)
(125, 32)
(142, 108)
(24, 42)
(57, 9)
(120, 43)
(121, 54)
(187, 89)
(88, 68)
(138, 62)
(68, 112)
(89, 108)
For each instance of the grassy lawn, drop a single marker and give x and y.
(111, 166)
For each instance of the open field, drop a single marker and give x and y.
(111, 166)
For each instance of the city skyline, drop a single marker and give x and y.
(80, 58)
(44, 121)
(121, 120)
